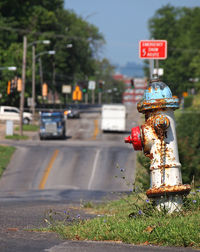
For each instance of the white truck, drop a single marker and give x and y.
(113, 117)
(13, 114)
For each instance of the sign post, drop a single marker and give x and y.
(66, 89)
(153, 49)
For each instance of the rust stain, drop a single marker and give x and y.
(167, 190)
(158, 104)
(150, 155)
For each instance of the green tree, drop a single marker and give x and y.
(180, 27)
(112, 90)
(42, 20)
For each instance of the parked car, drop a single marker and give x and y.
(13, 113)
(72, 113)
(52, 124)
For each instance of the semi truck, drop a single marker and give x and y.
(52, 125)
(113, 117)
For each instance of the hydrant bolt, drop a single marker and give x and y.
(161, 122)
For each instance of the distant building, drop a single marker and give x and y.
(133, 94)
(134, 88)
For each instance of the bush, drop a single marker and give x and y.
(188, 101)
(142, 178)
(188, 134)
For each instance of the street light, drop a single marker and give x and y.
(33, 44)
(33, 74)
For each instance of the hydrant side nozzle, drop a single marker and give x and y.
(135, 138)
(128, 140)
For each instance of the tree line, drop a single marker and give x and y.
(43, 20)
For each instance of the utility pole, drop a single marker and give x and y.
(33, 81)
(54, 82)
(99, 97)
(23, 83)
(41, 78)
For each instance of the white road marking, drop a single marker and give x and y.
(94, 169)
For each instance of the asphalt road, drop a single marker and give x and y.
(59, 175)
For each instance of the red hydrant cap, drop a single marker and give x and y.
(135, 138)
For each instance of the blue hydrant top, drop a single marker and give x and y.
(157, 96)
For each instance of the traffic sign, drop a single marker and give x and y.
(66, 89)
(153, 49)
(92, 85)
(158, 71)
(77, 94)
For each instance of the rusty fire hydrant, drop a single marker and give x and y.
(157, 137)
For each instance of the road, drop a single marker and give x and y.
(87, 160)
(58, 175)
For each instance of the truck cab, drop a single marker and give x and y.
(52, 125)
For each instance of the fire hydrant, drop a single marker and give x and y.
(157, 138)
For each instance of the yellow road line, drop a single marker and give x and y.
(96, 129)
(47, 170)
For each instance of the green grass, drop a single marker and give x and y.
(16, 137)
(5, 155)
(135, 220)
(28, 127)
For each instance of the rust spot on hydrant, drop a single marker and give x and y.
(167, 190)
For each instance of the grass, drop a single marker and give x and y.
(5, 155)
(17, 137)
(134, 220)
(28, 127)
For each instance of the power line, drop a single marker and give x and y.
(26, 32)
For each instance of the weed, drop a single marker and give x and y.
(135, 219)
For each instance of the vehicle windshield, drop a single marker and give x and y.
(51, 118)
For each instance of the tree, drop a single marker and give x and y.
(112, 90)
(180, 27)
(42, 20)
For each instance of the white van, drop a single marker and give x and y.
(113, 117)
(13, 113)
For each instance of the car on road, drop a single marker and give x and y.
(13, 113)
(72, 112)
(52, 125)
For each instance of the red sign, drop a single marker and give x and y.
(153, 49)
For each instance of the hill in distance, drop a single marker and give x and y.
(131, 69)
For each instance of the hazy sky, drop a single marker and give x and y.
(122, 22)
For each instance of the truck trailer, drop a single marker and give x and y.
(113, 117)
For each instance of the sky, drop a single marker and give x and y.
(123, 23)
